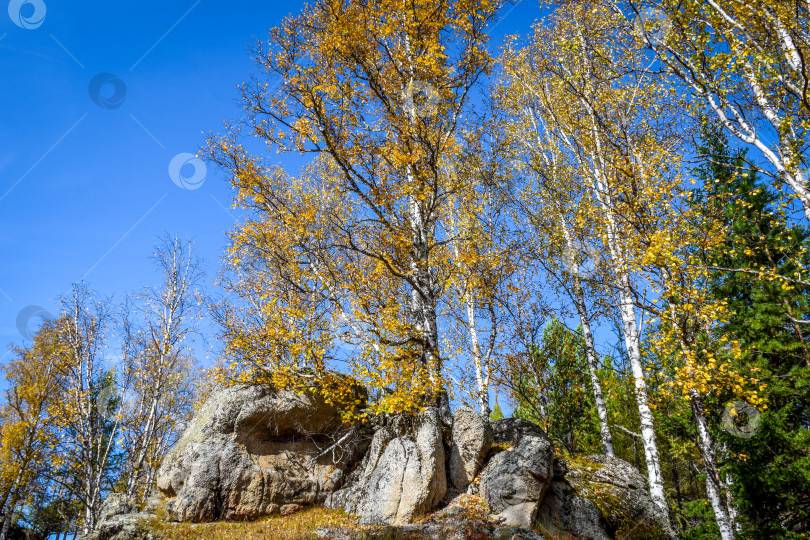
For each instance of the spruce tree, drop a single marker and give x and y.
(769, 459)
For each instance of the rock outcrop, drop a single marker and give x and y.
(514, 481)
(472, 439)
(251, 450)
(619, 491)
(402, 476)
(464, 518)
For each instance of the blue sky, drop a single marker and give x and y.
(85, 190)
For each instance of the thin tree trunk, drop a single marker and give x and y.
(676, 478)
(132, 482)
(596, 385)
(590, 350)
(423, 301)
(653, 461)
(629, 325)
(714, 484)
(732, 508)
(480, 379)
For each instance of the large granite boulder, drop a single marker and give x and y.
(514, 481)
(252, 449)
(605, 484)
(472, 439)
(402, 476)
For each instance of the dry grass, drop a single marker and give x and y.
(298, 526)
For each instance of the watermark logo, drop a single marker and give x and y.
(741, 420)
(581, 259)
(28, 14)
(106, 401)
(422, 98)
(187, 171)
(653, 25)
(30, 318)
(107, 90)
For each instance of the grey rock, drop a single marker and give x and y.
(620, 493)
(116, 504)
(402, 475)
(565, 514)
(512, 430)
(472, 439)
(464, 529)
(120, 518)
(514, 481)
(250, 450)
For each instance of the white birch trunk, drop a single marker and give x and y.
(596, 385)
(590, 350)
(423, 303)
(632, 336)
(480, 378)
(632, 341)
(714, 484)
(481, 371)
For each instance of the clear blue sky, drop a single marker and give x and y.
(85, 189)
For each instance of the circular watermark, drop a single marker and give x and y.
(30, 318)
(107, 90)
(184, 163)
(422, 98)
(804, 174)
(581, 259)
(653, 25)
(741, 420)
(105, 401)
(28, 14)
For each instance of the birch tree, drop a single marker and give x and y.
(617, 129)
(485, 257)
(747, 63)
(690, 329)
(347, 257)
(159, 371)
(545, 204)
(86, 391)
(610, 126)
